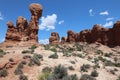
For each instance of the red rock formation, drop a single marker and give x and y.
(24, 32)
(105, 36)
(54, 39)
(63, 40)
(72, 36)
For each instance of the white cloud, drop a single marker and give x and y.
(48, 23)
(109, 19)
(60, 22)
(91, 12)
(44, 41)
(108, 24)
(1, 16)
(104, 13)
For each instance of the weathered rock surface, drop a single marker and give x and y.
(24, 31)
(105, 36)
(63, 40)
(54, 39)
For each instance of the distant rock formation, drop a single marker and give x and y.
(63, 40)
(24, 31)
(105, 36)
(54, 39)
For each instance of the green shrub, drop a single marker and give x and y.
(85, 67)
(23, 62)
(79, 47)
(38, 56)
(99, 52)
(26, 51)
(117, 64)
(47, 47)
(71, 77)
(73, 62)
(2, 53)
(109, 63)
(71, 68)
(11, 60)
(33, 47)
(3, 73)
(79, 55)
(26, 56)
(44, 76)
(36, 61)
(94, 73)
(60, 72)
(18, 71)
(46, 69)
(23, 77)
(54, 56)
(53, 49)
(87, 77)
(108, 54)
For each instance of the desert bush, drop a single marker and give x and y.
(46, 69)
(99, 52)
(79, 47)
(36, 61)
(109, 63)
(53, 49)
(101, 58)
(23, 62)
(96, 60)
(73, 62)
(60, 72)
(33, 47)
(26, 51)
(18, 71)
(94, 73)
(85, 67)
(3, 73)
(23, 77)
(2, 53)
(117, 64)
(45, 76)
(112, 72)
(73, 77)
(108, 54)
(87, 77)
(79, 55)
(71, 68)
(54, 56)
(38, 56)
(47, 47)
(70, 77)
(11, 60)
(26, 56)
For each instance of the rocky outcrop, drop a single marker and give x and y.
(54, 39)
(63, 40)
(24, 31)
(105, 36)
(72, 36)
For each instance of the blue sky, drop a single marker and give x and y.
(61, 15)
